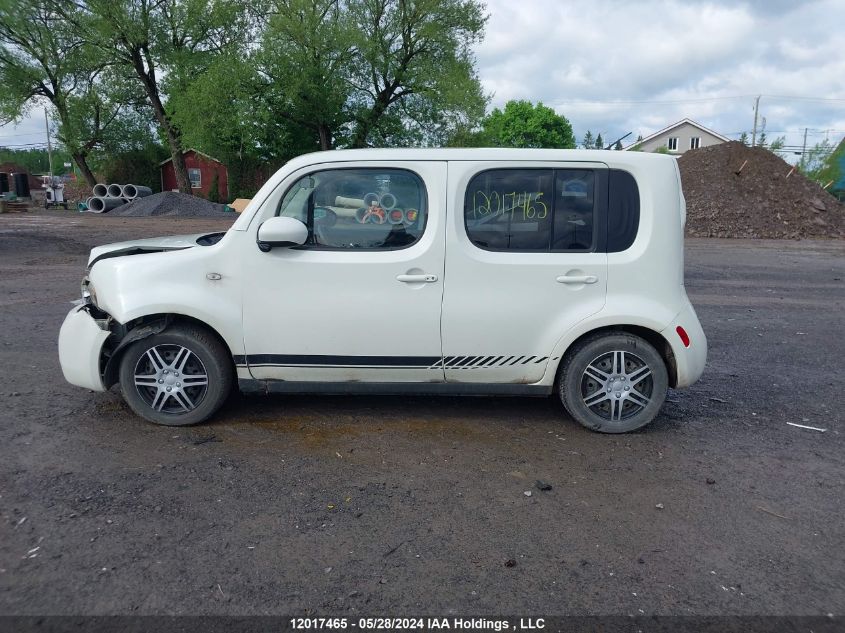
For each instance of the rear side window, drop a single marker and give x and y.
(532, 210)
(363, 209)
(623, 218)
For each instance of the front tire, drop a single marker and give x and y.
(613, 382)
(178, 377)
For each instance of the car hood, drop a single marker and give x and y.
(149, 245)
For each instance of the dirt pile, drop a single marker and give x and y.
(738, 191)
(172, 203)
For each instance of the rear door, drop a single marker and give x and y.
(524, 264)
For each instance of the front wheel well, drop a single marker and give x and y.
(654, 338)
(140, 328)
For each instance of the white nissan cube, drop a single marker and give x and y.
(437, 271)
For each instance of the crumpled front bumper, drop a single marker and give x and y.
(80, 346)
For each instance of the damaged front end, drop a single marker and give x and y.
(90, 340)
(82, 338)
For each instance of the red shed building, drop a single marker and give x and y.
(201, 171)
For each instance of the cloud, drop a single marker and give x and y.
(710, 58)
(664, 60)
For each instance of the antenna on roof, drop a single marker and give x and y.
(619, 140)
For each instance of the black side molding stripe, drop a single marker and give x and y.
(398, 362)
(320, 360)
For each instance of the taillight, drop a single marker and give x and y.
(683, 334)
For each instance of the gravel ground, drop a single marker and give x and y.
(350, 505)
(171, 203)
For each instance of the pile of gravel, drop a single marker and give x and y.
(737, 191)
(172, 203)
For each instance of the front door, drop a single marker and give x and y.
(360, 301)
(524, 264)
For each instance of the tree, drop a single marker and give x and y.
(618, 146)
(308, 50)
(522, 124)
(234, 113)
(588, 142)
(161, 44)
(413, 76)
(637, 147)
(599, 142)
(817, 160)
(35, 161)
(824, 164)
(135, 163)
(743, 138)
(761, 140)
(339, 73)
(777, 144)
(44, 62)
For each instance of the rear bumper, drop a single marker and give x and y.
(80, 346)
(690, 360)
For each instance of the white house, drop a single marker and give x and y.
(680, 137)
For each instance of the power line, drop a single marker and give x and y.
(19, 135)
(797, 98)
(25, 146)
(693, 100)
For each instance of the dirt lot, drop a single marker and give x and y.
(388, 505)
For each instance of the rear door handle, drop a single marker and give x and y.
(417, 279)
(577, 279)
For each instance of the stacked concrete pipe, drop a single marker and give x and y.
(98, 204)
(108, 197)
(130, 192)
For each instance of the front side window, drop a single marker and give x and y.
(195, 176)
(531, 210)
(371, 209)
(672, 144)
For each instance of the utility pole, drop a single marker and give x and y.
(754, 131)
(804, 149)
(49, 146)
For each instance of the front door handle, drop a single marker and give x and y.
(577, 279)
(417, 279)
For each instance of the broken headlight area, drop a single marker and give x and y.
(89, 303)
(89, 294)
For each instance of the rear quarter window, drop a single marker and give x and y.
(623, 210)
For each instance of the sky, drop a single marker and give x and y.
(620, 66)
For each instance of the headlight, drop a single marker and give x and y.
(89, 295)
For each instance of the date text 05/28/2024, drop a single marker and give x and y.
(418, 624)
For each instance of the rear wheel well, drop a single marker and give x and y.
(654, 338)
(154, 323)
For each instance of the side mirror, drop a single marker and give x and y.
(281, 232)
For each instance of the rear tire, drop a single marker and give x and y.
(178, 377)
(613, 382)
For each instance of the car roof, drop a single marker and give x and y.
(609, 157)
